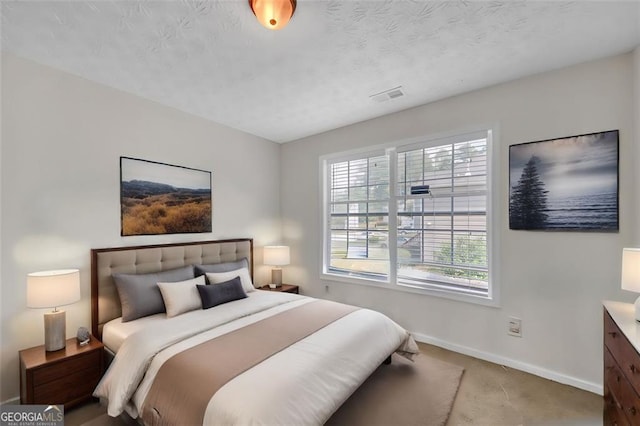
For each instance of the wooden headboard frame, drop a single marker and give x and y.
(105, 302)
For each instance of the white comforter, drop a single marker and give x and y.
(303, 384)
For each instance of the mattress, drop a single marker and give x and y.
(323, 369)
(115, 331)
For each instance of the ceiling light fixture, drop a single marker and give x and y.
(273, 14)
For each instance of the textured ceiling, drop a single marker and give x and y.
(212, 58)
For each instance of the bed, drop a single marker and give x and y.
(258, 357)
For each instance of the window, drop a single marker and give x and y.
(414, 216)
(359, 212)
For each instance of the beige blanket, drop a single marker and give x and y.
(186, 382)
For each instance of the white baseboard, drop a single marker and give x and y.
(12, 401)
(512, 363)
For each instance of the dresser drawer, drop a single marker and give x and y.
(629, 402)
(48, 373)
(613, 415)
(623, 352)
(612, 376)
(621, 397)
(613, 338)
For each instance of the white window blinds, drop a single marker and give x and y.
(359, 216)
(442, 235)
(415, 215)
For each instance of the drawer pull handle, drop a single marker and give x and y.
(618, 379)
(632, 368)
(613, 333)
(632, 410)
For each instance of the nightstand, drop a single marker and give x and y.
(284, 288)
(67, 376)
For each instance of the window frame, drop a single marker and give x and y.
(491, 132)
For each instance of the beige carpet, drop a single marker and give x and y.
(403, 393)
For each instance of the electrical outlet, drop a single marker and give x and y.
(515, 327)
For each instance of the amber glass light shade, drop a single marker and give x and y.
(273, 14)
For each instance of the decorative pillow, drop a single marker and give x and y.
(140, 295)
(221, 267)
(220, 277)
(214, 295)
(182, 296)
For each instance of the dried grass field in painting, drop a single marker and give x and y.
(166, 214)
(150, 207)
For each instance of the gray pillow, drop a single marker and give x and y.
(140, 295)
(217, 294)
(221, 267)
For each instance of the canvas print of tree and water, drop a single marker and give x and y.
(566, 184)
(158, 198)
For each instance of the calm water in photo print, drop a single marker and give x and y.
(568, 184)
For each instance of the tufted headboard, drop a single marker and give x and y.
(105, 302)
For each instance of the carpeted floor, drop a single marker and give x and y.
(403, 393)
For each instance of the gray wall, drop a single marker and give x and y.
(62, 137)
(554, 282)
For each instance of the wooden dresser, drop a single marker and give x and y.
(621, 365)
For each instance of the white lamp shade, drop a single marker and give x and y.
(49, 289)
(631, 269)
(276, 255)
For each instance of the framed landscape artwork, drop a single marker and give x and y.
(157, 198)
(565, 184)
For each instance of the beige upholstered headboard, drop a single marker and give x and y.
(105, 302)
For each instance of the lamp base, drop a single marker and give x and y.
(54, 331)
(276, 276)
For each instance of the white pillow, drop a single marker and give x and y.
(182, 296)
(243, 273)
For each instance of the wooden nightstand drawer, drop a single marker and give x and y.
(67, 376)
(69, 388)
(58, 370)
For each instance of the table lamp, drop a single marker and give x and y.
(50, 289)
(276, 256)
(631, 274)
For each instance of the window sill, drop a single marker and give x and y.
(408, 288)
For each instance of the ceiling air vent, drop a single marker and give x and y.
(387, 95)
